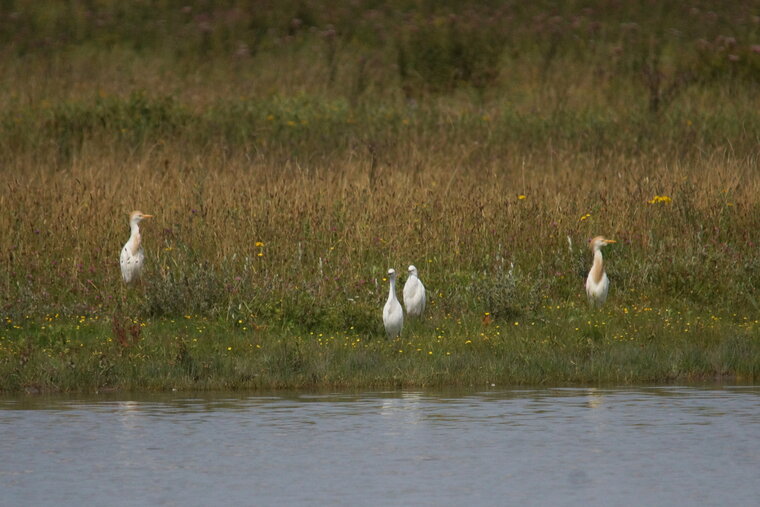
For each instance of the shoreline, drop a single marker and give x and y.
(206, 355)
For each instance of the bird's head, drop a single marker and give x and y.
(136, 216)
(392, 274)
(599, 241)
(412, 270)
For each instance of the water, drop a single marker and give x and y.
(643, 446)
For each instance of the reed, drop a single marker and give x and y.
(293, 153)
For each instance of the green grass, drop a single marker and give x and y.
(567, 345)
(293, 151)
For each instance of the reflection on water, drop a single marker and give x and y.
(585, 446)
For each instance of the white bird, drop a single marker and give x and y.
(414, 294)
(132, 255)
(597, 283)
(393, 314)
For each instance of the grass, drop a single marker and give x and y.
(569, 345)
(293, 154)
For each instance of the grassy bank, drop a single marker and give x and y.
(294, 151)
(567, 345)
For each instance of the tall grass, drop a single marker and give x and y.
(293, 151)
(331, 222)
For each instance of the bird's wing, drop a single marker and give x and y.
(124, 255)
(411, 287)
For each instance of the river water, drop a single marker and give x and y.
(582, 446)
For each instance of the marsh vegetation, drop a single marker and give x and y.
(293, 151)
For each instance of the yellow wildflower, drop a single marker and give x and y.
(659, 198)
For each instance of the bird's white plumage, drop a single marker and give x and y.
(597, 291)
(393, 314)
(414, 294)
(597, 283)
(132, 255)
(131, 265)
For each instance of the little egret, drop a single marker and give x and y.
(597, 283)
(132, 255)
(414, 294)
(393, 314)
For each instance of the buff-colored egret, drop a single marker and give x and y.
(597, 283)
(393, 314)
(414, 294)
(132, 255)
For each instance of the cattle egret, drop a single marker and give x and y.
(597, 283)
(414, 294)
(393, 314)
(132, 255)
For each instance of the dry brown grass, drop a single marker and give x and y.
(343, 166)
(333, 229)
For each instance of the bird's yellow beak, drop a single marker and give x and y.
(151, 216)
(610, 241)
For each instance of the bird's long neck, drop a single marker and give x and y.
(134, 238)
(597, 269)
(392, 291)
